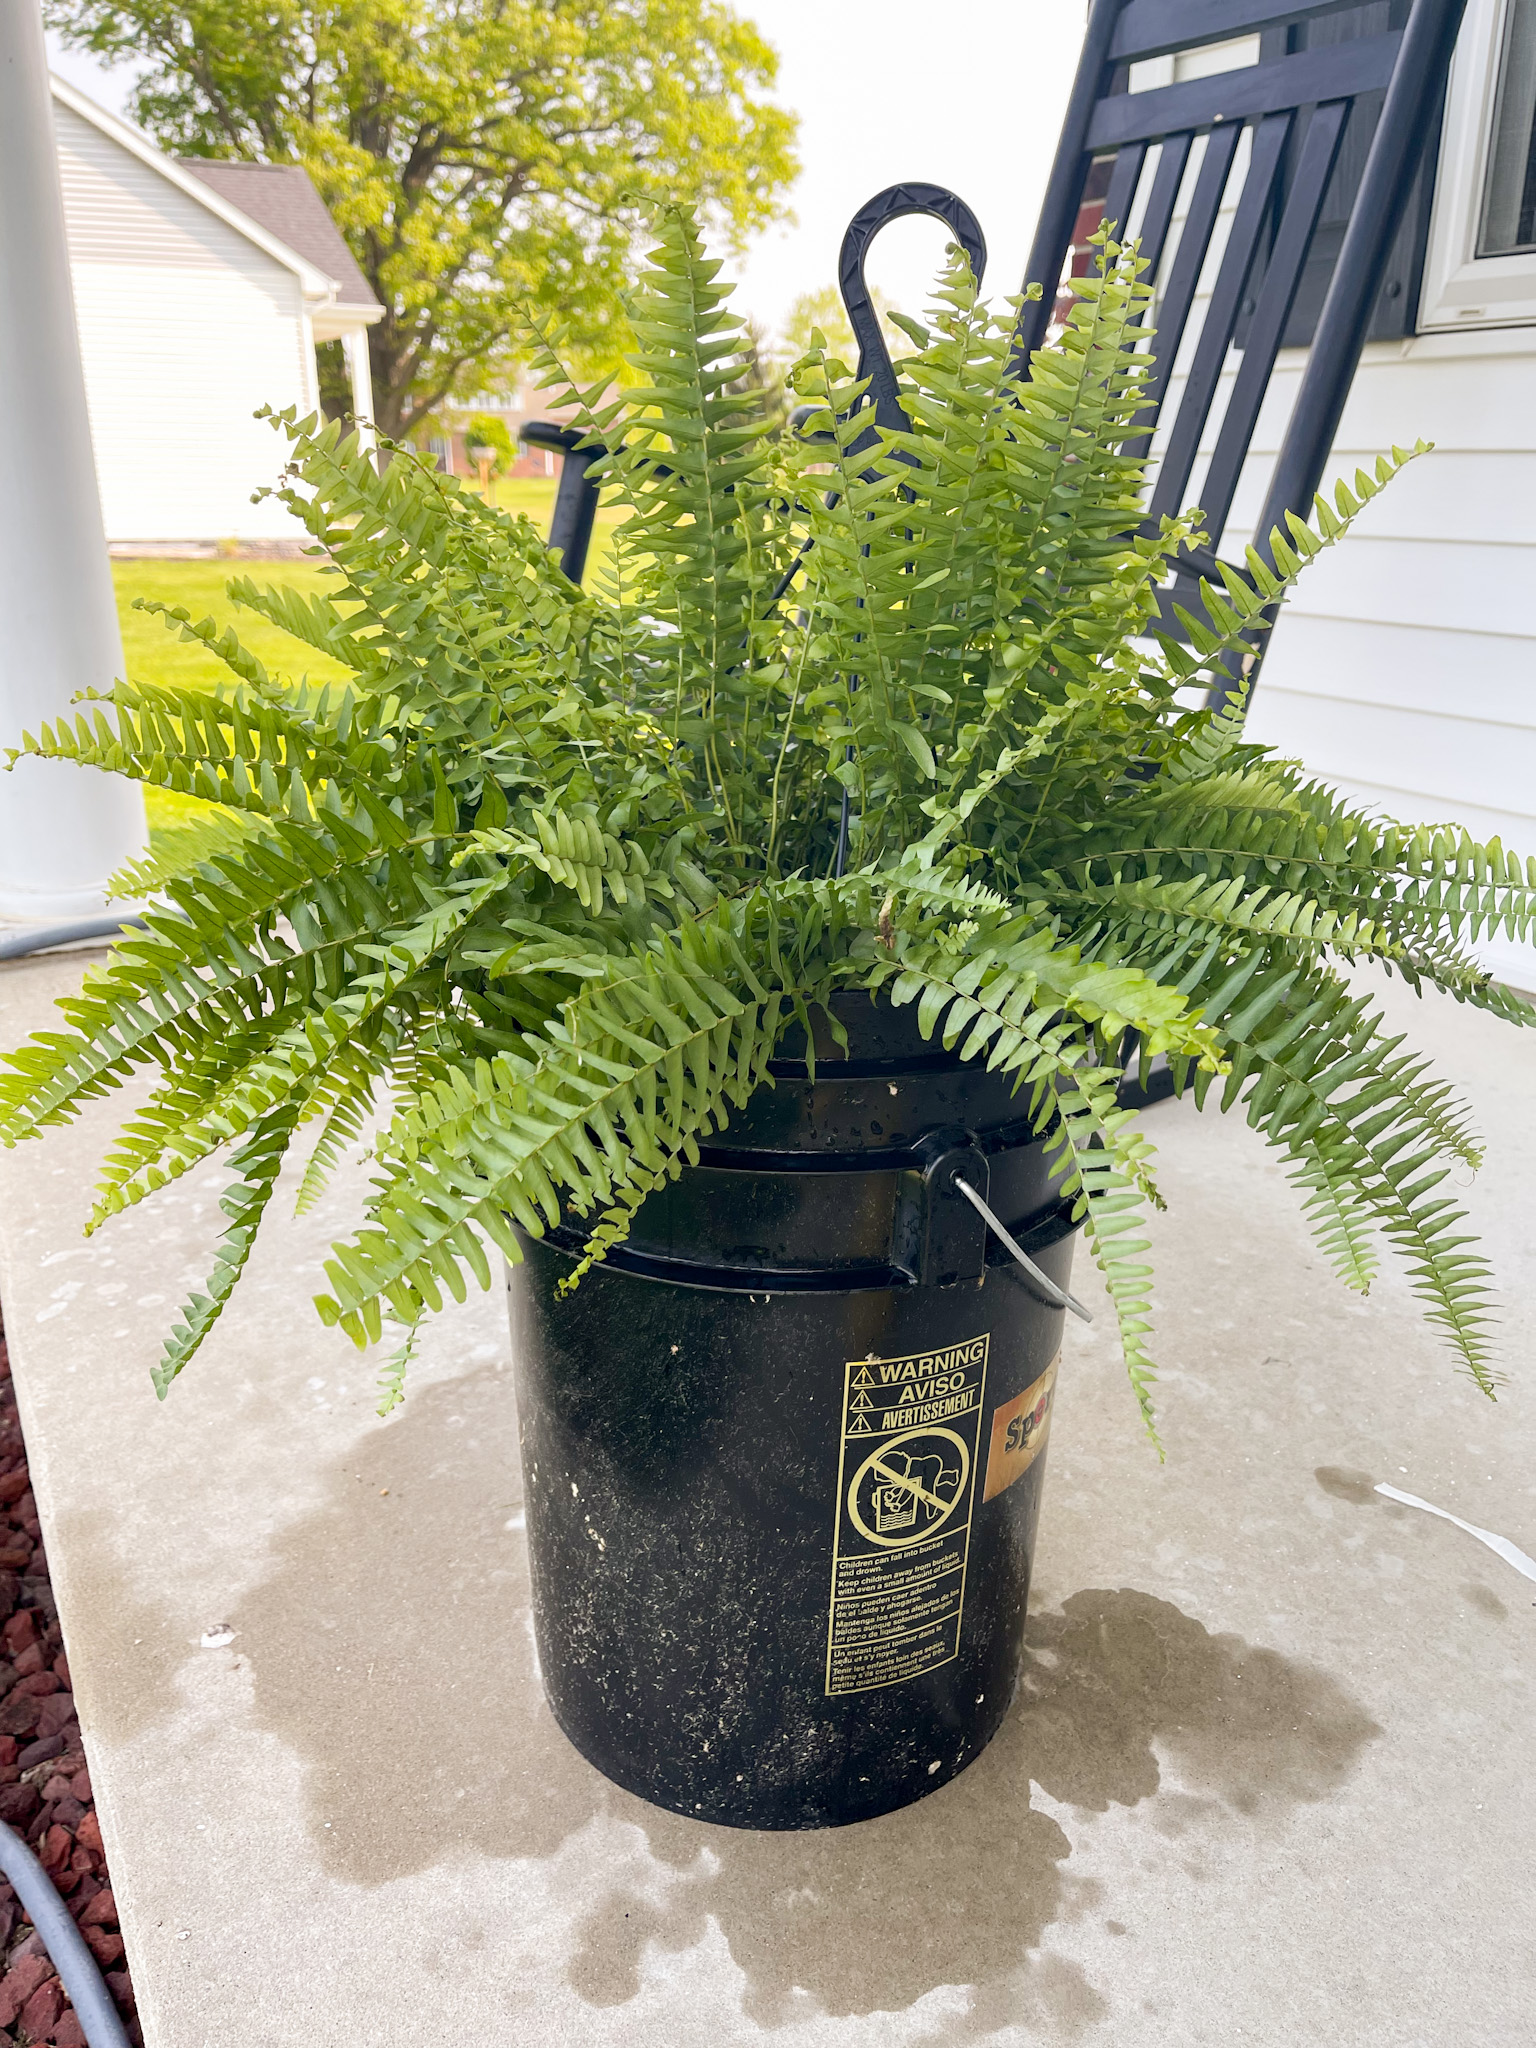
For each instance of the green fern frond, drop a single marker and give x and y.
(346, 1099)
(575, 853)
(664, 1044)
(179, 850)
(256, 1165)
(396, 1366)
(549, 872)
(1340, 1217)
(1102, 1158)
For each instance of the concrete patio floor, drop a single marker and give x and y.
(1269, 1782)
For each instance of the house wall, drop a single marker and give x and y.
(185, 328)
(1404, 668)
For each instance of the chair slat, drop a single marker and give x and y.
(1406, 120)
(1311, 92)
(1319, 152)
(1156, 28)
(1336, 72)
(1184, 274)
(1122, 187)
(1064, 186)
(1178, 461)
(1162, 199)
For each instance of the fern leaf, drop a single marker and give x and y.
(256, 1165)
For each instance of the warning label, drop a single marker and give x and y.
(905, 1487)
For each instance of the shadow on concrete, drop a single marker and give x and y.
(960, 1889)
(391, 1649)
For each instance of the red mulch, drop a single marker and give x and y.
(45, 1784)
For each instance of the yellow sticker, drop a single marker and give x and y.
(906, 1482)
(1019, 1430)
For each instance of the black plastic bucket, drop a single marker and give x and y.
(783, 1450)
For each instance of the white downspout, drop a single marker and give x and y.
(355, 345)
(63, 829)
(309, 366)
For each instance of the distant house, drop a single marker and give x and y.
(513, 406)
(201, 290)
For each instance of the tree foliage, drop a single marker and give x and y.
(475, 155)
(486, 439)
(822, 312)
(557, 866)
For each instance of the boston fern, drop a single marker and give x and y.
(547, 879)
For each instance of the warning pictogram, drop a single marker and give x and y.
(903, 1514)
(909, 1487)
(860, 1409)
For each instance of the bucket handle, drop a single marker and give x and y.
(1058, 1296)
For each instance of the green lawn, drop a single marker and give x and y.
(155, 653)
(158, 655)
(535, 495)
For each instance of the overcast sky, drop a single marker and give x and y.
(968, 94)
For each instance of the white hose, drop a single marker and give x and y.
(38, 939)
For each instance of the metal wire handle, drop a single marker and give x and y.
(1058, 1296)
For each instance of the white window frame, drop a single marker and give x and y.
(1461, 288)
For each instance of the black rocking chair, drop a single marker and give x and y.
(1343, 111)
(1308, 105)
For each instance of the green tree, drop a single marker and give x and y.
(822, 311)
(477, 154)
(486, 439)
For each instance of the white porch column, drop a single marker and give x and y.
(355, 346)
(63, 830)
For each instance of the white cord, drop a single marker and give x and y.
(1500, 1545)
(1057, 1295)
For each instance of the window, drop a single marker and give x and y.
(1481, 267)
(1508, 225)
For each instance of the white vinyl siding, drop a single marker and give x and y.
(186, 327)
(1404, 669)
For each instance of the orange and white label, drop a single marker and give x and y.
(1019, 1430)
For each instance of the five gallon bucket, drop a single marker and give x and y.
(783, 1450)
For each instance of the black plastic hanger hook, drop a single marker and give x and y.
(894, 203)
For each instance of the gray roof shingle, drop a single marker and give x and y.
(280, 198)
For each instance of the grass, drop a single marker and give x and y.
(535, 495)
(157, 655)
